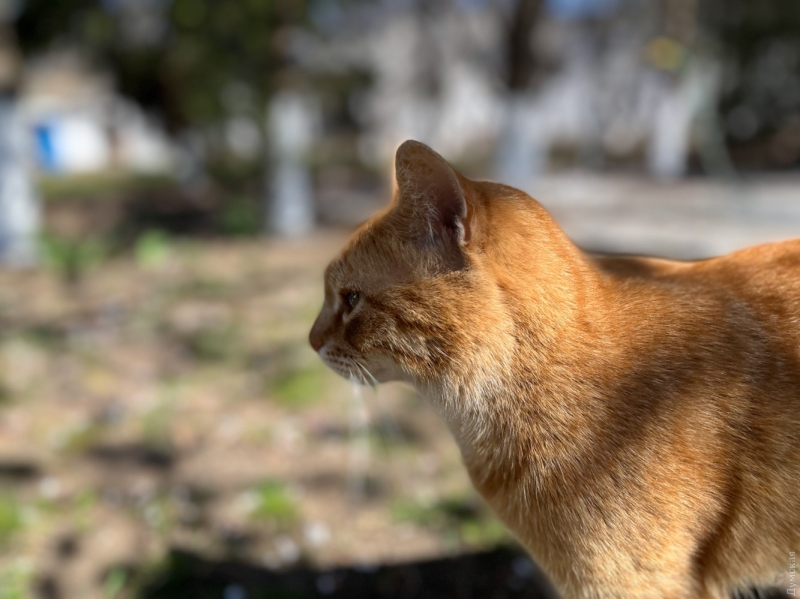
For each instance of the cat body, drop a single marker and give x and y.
(635, 422)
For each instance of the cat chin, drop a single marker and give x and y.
(362, 371)
(374, 375)
(370, 379)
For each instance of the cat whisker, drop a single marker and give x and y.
(374, 382)
(386, 414)
(396, 431)
(358, 428)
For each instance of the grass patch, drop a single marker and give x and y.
(11, 520)
(159, 515)
(391, 433)
(484, 532)
(6, 395)
(274, 504)
(81, 438)
(114, 583)
(204, 289)
(215, 344)
(456, 517)
(100, 185)
(72, 259)
(15, 581)
(45, 335)
(300, 387)
(152, 249)
(156, 430)
(135, 580)
(240, 217)
(82, 507)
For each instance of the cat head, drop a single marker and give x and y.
(417, 294)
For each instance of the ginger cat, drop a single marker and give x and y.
(635, 422)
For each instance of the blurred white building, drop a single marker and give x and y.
(78, 124)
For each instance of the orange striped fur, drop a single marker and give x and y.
(635, 422)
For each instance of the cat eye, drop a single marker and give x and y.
(352, 298)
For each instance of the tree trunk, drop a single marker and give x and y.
(19, 206)
(522, 147)
(289, 201)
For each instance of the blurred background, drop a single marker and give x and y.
(174, 176)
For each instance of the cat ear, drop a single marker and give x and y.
(429, 190)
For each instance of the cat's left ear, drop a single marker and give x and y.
(429, 190)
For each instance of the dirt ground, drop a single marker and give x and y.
(166, 432)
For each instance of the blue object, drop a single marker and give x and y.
(45, 148)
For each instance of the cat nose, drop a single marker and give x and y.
(315, 340)
(318, 332)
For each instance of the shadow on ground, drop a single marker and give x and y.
(497, 574)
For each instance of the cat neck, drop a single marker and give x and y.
(520, 410)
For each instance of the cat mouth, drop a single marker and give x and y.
(348, 368)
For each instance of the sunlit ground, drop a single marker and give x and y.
(167, 399)
(166, 432)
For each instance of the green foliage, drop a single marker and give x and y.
(14, 581)
(72, 259)
(457, 516)
(45, 335)
(82, 438)
(487, 531)
(213, 45)
(216, 58)
(6, 395)
(156, 427)
(83, 506)
(198, 64)
(240, 217)
(152, 249)
(215, 344)
(99, 186)
(114, 583)
(204, 288)
(274, 505)
(11, 520)
(748, 36)
(299, 387)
